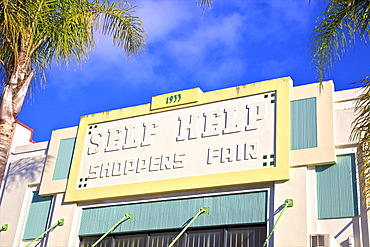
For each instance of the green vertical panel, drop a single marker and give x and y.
(64, 159)
(173, 214)
(37, 216)
(337, 189)
(303, 124)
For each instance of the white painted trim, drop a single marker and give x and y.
(31, 148)
(50, 222)
(23, 216)
(74, 239)
(346, 150)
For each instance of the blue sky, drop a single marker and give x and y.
(236, 42)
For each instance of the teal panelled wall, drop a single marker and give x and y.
(303, 124)
(37, 216)
(337, 189)
(223, 210)
(64, 159)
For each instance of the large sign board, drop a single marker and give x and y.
(206, 143)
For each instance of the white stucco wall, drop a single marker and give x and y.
(294, 229)
(23, 175)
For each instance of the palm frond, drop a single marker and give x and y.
(337, 30)
(204, 4)
(119, 21)
(63, 31)
(361, 134)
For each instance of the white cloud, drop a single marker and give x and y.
(161, 18)
(264, 18)
(209, 48)
(224, 32)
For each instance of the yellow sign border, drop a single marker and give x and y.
(278, 173)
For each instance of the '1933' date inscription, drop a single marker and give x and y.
(173, 98)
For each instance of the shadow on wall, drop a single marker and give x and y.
(22, 172)
(279, 209)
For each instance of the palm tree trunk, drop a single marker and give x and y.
(6, 135)
(6, 127)
(11, 103)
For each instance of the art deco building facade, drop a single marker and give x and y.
(263, 164)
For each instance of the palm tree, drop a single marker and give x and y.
(342, 23)
(36, 33)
